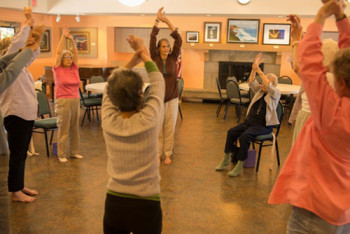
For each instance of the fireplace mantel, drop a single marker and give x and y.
(236, 46)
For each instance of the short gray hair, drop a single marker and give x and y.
(125, 89)
(273, 78)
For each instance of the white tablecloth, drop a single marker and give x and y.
(100, 87)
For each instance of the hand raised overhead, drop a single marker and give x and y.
(34, 38)
(135, 42)
(161, 15)
(296, 29)
(27, 12)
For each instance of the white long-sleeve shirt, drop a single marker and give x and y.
(20, 98)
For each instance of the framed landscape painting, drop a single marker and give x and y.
(276, 34)
(192, 37)
(243, 30)
(82, 41)
(212, 32)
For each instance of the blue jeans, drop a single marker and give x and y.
(304, 221)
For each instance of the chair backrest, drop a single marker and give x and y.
(280, 114)
(180, 85)
(232, 90)
(44, 107)
(285, 80)
(219, 88)
(96, 79)
(231, 78)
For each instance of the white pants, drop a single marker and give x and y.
(68, 136)
(167, 131)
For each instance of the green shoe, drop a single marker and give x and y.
(224, 162)
(237, 170)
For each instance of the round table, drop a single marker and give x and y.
(100, 87)
(283, 88)
(96, 87)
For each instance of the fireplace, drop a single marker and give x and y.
(240, 70)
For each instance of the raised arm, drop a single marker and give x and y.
(174, 34)
(161, 17)
(296, 32)
(58, 55)
(20, 38)
(323, 101)
(141, 53)
(14, 63)
(153, 36)
(74, 49)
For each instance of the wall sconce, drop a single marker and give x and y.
(77, 18)
(58, 18)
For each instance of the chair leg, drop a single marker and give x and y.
(97, 114)
(277, 153)
(226, 109)
(219, 108)
(89, 113)
(52, 132)
(180, 112)
(47, 146)
(258, 163)
(85, 113)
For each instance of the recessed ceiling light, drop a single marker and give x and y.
(131, 2)
(243, 2)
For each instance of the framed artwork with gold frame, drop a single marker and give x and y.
(82, 41)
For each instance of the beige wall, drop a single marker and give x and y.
(193, 59)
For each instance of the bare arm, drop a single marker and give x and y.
(58, 56)
(296, 32)
(74, 49)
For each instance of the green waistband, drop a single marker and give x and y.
(155, 197)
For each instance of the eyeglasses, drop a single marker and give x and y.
(67, 57)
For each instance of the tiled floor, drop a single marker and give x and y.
(195, 198)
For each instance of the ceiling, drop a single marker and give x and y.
(260, 8)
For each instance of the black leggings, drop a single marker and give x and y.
(125, 215)
(19, 132)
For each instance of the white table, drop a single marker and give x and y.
(96, 87)
(284, 88)
(100, 87)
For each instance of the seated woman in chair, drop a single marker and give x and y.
(261, 116)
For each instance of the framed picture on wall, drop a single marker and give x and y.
(45, 41)
(243, 31)
(276, 34)
(192, 37)
(212, 32)
(7, 32)
(82, 41)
